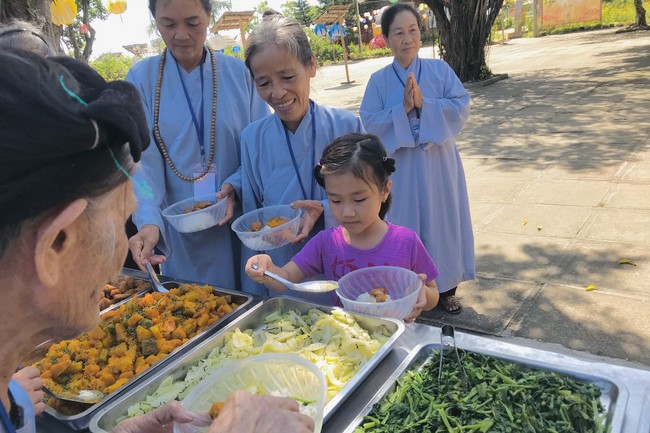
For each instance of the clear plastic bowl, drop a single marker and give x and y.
(403, 286)
(197, 220)
(268, 238)
(280, 374)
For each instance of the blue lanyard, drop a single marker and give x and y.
(400, 78)
(199, 128)
(313, 153)
(6, 421)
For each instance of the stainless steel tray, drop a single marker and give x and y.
(81, 420)
(107, 418)
(614, 394)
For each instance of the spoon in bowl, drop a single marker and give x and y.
(155, 282)
(319, 286)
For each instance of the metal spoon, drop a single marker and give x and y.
(319, 286)
(155, 282)
(86, 396)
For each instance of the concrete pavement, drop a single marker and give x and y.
(557, 159)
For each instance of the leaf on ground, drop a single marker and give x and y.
(525, 222)
(626, 262)
(539, 228)
(590, 287)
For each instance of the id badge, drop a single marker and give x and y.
(208, 183)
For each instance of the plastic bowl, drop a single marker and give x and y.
(403, 286)
(268, 238)
(279, 374)
(197, 220)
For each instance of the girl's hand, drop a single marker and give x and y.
(227, 192)
(421, 302)
(142, 244)
(313, 211)
(263, 263)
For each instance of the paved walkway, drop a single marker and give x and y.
(557, 159)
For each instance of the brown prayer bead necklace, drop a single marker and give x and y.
(156, 131)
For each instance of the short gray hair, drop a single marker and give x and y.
(26, 36)
(282, 32)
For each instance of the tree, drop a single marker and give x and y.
(640, 15)
(300, 10)
(112, 66)
(464, 33)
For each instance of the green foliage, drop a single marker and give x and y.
(112, 66)
(621, 11)
(78, 43)
(301, 11)
(324, 50)
(367, 52)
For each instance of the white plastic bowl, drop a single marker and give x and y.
(403, 286)
(274, 373)
(268, 238)
(197, 220)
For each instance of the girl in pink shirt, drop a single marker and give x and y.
(354, 170)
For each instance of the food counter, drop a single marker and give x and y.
(627, 388)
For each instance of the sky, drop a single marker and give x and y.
(131, 27)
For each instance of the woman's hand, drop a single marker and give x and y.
(418, 99)
(142, 244)
(160, 420)
(263, 263)
(313, 211)
(29, 378)
(227, 192)
(244, 412)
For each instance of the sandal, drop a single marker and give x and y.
(451, 304)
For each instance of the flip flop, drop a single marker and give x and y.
(450, 304)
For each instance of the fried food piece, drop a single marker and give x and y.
(379, 294)
(256, 226)
(276, 221)
(198, 206)
(215, 409)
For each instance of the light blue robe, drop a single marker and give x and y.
(268, 174)
(212, 255)
(429, 187)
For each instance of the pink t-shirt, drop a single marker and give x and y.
(329, 254)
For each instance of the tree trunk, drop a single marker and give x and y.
(640, 14)
(464, 33)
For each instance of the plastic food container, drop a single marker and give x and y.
(198, 220)
(403, 286)
(267, 238)
(279, 374)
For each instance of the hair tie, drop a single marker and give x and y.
(96, 133)
(384, 158)
(71, 93)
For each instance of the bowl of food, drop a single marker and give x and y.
(386, 291)
(268, 228)
(196, 213)
(278, 374)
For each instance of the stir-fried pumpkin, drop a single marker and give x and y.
(130, 339)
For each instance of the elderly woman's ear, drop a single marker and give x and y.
(56, 239)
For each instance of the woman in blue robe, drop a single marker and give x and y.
(194, 135)
(279, 152)
(417, 107)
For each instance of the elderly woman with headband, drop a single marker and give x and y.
(197, 103)
(65, 194)
(280, 151)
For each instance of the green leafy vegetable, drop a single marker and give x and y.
(501, 397)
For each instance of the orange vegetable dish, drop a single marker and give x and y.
(130, 339)
(256, 226)
(198, 206)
